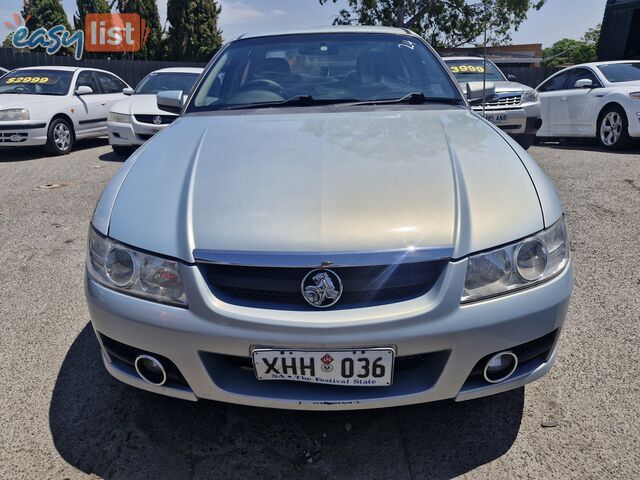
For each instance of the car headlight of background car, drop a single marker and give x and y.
(124, 269)
(119, 117)
(14, 114)
(530, 96)
(519, 265)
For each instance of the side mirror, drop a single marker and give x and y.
(475, 91)
(127, 91)
(84, 90)
(512, 78)
(170, 101)
(584, 83)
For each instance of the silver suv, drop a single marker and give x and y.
(514, 107)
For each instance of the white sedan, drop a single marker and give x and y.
(55, 106)
(136, 119)
(600, 100)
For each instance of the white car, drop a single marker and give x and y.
(600, 100)
(55, 106)
(136, 119)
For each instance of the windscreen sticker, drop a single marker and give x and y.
(467, 68)
(26, 80)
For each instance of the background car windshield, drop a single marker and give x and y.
(158, 82)
(330, 67)
(472, 71)
(36, 82)
(621, 72)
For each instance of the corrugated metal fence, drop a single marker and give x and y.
(131, 71)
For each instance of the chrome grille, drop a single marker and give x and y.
(507, 101)
(280, 287)
(13, 137)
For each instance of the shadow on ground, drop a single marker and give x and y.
(21, 154)
(588, 145)
(103, 427)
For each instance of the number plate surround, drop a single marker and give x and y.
(333, 358)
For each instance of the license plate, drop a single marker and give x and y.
(497, 118)
(372, 367)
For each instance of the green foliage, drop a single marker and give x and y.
(88, 6)
(8, 41)
(148, 10)
(570, 51)
(44, 13)
(193, 33)
(444, 23)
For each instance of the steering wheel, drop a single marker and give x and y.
(263, 84)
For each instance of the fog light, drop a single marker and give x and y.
(500, 367)
(150, 370)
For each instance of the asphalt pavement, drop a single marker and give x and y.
(63, 417)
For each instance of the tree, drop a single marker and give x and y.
(148, 10)
(193, 33)
(46, 14)
(88, 6)
(444, 23)
(571, 51)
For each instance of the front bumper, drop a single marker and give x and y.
(524, 120)
(205, 340)
(23, 133)
(131, 134)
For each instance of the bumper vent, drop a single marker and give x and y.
(280, 287)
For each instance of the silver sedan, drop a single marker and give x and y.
(328, 226)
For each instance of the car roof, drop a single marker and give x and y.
(331, 29)
(179, 70)
(467, 58)
(597, 64)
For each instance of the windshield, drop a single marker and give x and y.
(327, 68)
(472, 71)
(158, 82)
(621, 72)
(36, 82)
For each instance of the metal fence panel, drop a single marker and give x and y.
(131, 71)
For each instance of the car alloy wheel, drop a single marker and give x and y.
(62, 136)
(611, 129)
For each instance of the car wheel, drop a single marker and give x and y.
(122, 151)
(60, 137)
(613, 129)
(525, 141)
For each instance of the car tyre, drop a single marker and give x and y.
(122, 151)
(525, 141)
(60, 137)
(613, 129)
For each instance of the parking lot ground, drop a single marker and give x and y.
(62, 416)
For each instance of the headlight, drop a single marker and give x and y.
(530, 96)
(519, 265)
(119, 117)
(121, 268)
(14, 114)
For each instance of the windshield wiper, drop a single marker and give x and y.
(414, 98)
(297, 101)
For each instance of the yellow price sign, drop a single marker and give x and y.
(467, 68)
(30, 81)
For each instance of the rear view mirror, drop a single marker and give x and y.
(584, 83)
(475, 90)
(170, 101)
(127, 91)
(512, 78)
